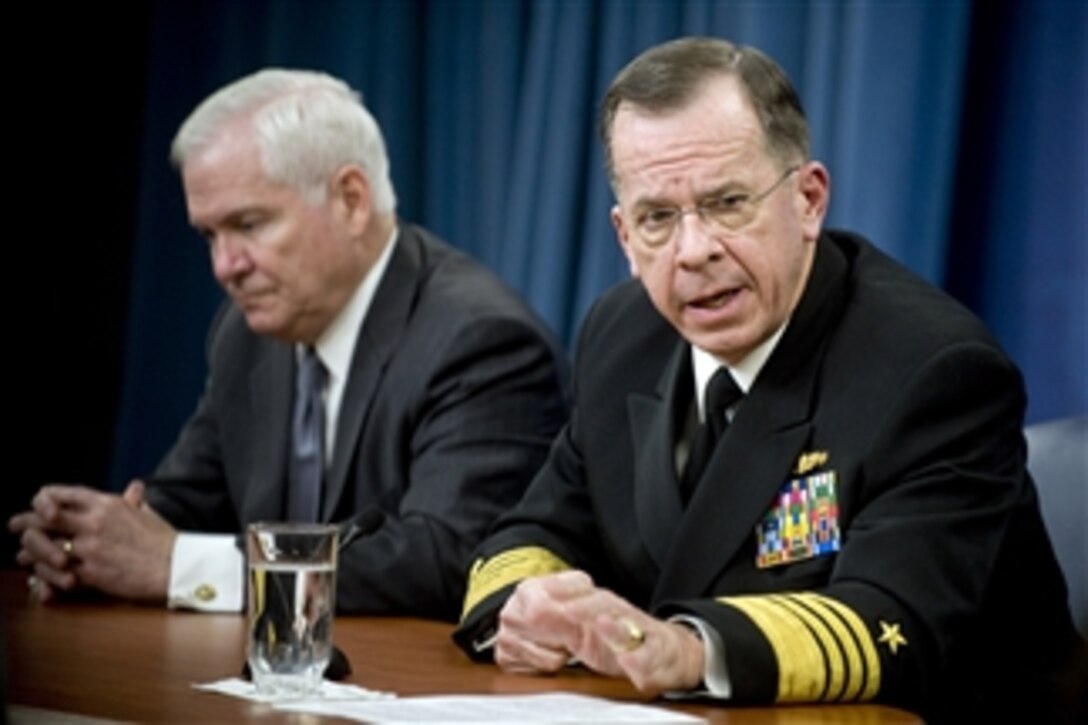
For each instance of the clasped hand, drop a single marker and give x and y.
(74, 536)
(551, 620)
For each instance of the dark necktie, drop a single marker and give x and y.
(307, 465)
(721, 392)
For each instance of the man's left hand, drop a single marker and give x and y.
(76, 535)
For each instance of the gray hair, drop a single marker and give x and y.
(666, 77)
(308, 125)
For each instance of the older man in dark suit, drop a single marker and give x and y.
(794, 471)
(363, 372)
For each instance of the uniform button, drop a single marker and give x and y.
(205, 592)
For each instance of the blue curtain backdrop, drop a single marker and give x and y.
(955, 134)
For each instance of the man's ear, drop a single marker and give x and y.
(814, 184)
(623, 236)
(349, 192)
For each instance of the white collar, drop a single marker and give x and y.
(336, 345)
(704, 365)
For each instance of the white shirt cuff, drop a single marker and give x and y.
(207, 573)
(715, 674)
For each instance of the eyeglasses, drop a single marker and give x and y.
(729, 212)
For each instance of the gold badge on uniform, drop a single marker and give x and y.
(810, 460)
(803, 523)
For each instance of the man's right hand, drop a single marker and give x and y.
(551, 620)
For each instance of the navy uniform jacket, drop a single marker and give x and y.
(454, 395)
(894, 411)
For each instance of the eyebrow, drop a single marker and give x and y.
(650, 202)
(232, 217)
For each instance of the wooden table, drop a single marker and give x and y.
(113, 660)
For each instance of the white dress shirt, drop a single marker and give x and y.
(207, 571)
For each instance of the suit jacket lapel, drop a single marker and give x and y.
(383, 326)
(770, 429)
(271, 392)
(658, 508)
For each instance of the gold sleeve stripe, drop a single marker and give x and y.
(861, 638)
(837, 668)
(802, 671)
(490, 575)
(846, 643)
(847, 648)
(823, 649)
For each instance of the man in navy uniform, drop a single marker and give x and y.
(794, 471)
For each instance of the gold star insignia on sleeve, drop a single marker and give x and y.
(891, 636)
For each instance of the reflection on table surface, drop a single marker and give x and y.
(113, 660)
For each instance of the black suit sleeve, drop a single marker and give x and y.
(551, 529)
(493, 402)
(189, 488)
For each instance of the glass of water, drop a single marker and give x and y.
(291, 602)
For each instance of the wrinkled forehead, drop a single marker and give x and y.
(227, 177)
(716, 130)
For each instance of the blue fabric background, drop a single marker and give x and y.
(955, 133)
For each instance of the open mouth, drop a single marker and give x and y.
(713, 302)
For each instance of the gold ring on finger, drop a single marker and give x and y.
(635, 636)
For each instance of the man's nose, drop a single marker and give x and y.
(696, 241)
(229, 258)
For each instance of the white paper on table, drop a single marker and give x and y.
(237, 687)
(553, 707)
